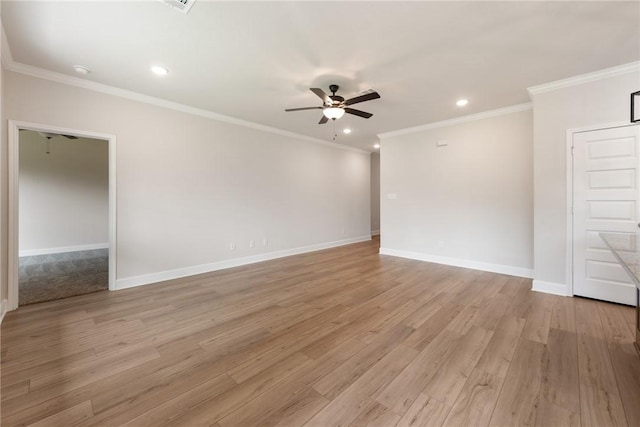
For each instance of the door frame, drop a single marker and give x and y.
(569, 211)
(14, 128)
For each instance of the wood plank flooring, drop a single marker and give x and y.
(341, 337)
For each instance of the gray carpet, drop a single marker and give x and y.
(56, 276)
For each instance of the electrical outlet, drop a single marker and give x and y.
(232, 246)
(265, 243)
(252, 243)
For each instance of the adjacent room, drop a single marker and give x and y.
(319, 213)
(64, 216)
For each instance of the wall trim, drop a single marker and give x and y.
(3, 309)
(458, 262)
(375, 232)
(568, 274)
(146, 279)
(458, 120)
(551, 288)
(53, 76)
(585, 78)
(5, 49)
(63, 249)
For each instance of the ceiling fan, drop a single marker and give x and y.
(49, 136)
(334, 106)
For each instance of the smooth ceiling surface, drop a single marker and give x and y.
(251, 60)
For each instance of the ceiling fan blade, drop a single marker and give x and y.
(70, 136)
(358, 112)
(303, 108)
(362, 98)
(323, 120)
(325, 98)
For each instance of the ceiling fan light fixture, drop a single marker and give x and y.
(333, 112)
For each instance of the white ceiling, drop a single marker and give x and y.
(251, 60)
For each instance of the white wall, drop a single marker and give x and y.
(64, 195)
(468, 203)
(4, 213)
(188, 186)
(590, 104)
(375, 193)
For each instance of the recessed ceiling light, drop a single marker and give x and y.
(347, 131)
(159, 70)
(81, 69)
(462, 102)
(376, 145)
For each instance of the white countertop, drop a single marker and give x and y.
(626, 249)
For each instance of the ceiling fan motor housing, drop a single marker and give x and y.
(337, 99)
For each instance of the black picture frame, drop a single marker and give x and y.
(635, 107)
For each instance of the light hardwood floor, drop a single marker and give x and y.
(342, 337)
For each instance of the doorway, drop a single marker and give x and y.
(375, 194)
(62, 229)
(606, 186)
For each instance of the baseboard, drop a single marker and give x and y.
(464, 263)
(550, 288)
(146, 279)
(3, 309)
(375, 232)
(63, 249)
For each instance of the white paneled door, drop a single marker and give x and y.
(605, 198)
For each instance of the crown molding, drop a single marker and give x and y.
(53, 76)
(458, 120)
(5, 50)
(585, 78)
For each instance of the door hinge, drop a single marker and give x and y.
(572, 147)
